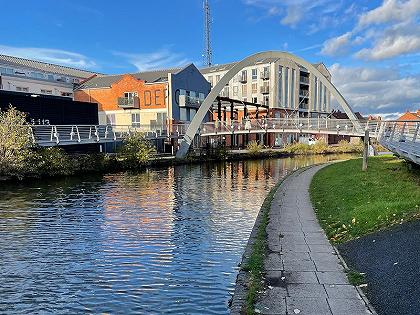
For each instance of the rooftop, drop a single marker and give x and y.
(44, 66)
(155, 76)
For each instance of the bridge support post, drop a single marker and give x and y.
(365, 150)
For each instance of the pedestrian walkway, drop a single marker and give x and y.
(303, 272)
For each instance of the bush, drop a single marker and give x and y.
(319, 147)
(136, 151)
(54, 161)
(15, 143)
(297, 148)
(254, 147)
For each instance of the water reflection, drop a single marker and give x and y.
(166, 240)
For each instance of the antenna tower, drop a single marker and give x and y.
(208, 54)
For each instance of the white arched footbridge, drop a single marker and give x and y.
(207, 103)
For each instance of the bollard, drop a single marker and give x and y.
(365, 151)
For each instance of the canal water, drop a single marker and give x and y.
(166, 240)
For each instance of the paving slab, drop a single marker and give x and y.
(304, 275)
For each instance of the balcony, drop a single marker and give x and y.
(265, 75)
(265, 89)
(128, 102)
(242, 78)
(304, 80)
(189, 101)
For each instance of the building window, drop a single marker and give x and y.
(183, 114)
(280, 85)
(254, 88)
(244, 90)
(22, 89)
(266, 99)
(110, 119)
(255, 100)
(6, 70)
(66, 94)
(50, 77)
(38, 75)
(46, 92)
(235, 90)
(286, 88)
(254, 74)
(210, 79)
(135, 120)
(292, 90)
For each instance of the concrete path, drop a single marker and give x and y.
(304, 273)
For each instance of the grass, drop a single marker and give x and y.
(255, 263)
(355, 278)
(351, 203)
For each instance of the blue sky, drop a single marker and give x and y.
(372, 48)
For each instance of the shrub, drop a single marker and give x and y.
(136, 151)
(297, 148)
(319, 147)
(53, 161)
(254, 147)
(15, 143)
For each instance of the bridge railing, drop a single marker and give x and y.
(302, 125)
(401, 137)
(49, 135)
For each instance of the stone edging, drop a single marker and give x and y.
(359, 290)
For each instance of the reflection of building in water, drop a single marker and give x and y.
(140, 207)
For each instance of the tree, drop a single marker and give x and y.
(136, 150)
(15, 143)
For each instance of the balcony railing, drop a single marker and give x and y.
(265, 89)
(128, 102)
(189, 101)
(304, 80)
(242, 78)
(265, 75)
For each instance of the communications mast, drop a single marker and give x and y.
(207, 54)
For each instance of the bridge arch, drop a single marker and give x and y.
(207, 103)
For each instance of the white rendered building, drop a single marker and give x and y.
(36, 77)
(286, 87)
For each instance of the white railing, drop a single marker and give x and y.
(401, 137)
(51, 135)
(291, 125)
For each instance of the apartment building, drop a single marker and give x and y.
(146, 98)
(285, 86)
(36, 77)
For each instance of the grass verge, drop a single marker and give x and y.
(355, 278)
(255, 263)
(350, 203)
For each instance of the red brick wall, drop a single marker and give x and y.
(150, 95)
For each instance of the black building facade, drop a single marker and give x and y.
(53, 110)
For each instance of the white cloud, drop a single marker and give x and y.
(336, 45)
(376, 90)
(390, 30)
(56, 56)
(160, 59)
(390, 11)
(293, 16)
(400, 39)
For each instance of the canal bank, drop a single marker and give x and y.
(302, 272)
